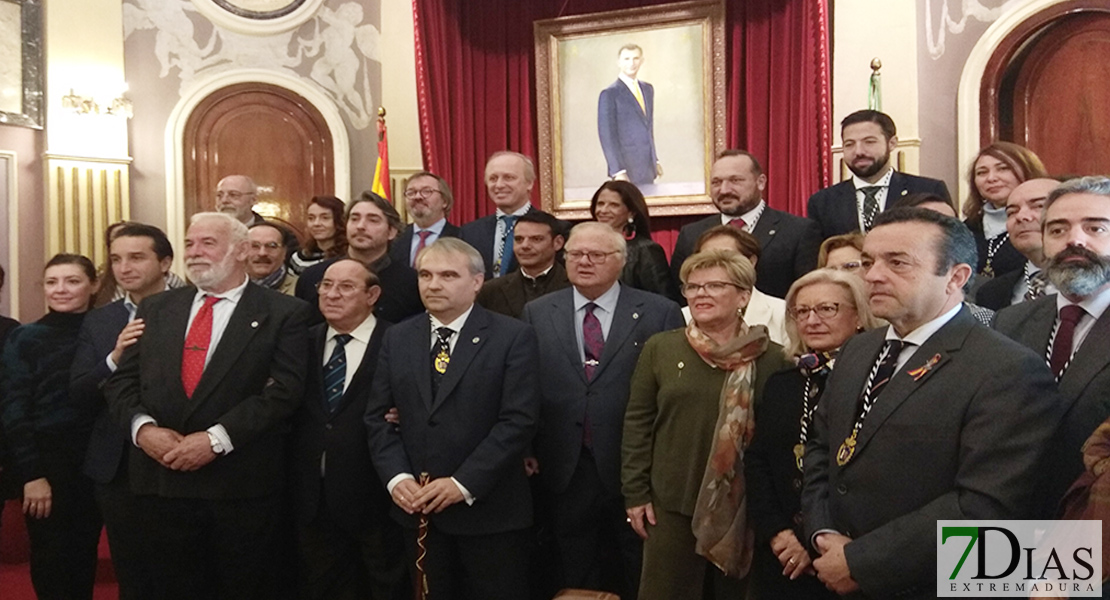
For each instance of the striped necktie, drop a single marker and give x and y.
(335, 372)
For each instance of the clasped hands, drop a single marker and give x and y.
(431, 497)
(832, 566)
(173, 450)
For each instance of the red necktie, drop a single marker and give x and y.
(737, 223)
(196, 346)
(1065, 335)
(420, 245)
(593, 344)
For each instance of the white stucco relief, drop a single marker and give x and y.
(335, 45)
(976, 9)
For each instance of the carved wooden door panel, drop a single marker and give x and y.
(268, 133)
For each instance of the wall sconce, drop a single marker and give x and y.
(86, 105)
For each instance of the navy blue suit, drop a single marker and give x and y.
(626, 132)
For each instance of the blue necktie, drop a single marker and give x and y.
(335, 372)
(506, 245)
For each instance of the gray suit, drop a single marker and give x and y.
(961, 441)
(1084, 388)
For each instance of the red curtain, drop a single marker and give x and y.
(475, 80)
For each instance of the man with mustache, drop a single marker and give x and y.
(1071, 329)
(428, 200)
(788, 243)
(1023, 222)
(869, 137)
(266, 262)
(205, 394)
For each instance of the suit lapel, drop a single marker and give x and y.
(1091, 358)
(563, 324)
(896, 189)
(625, 319)
(319, 338)
(842, 416)
(366, 368)
(470, 341)
(766, 227)
(245, 321)
(176, 315)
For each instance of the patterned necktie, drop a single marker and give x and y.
(738, 223)
(420, 245)
(441, 356)
(1065, 335)
(870, 205)
(335, 372)
(1035, 284)
(505, 246)
(196, 346)
(883, 371)
(593, 344)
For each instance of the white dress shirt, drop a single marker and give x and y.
(436, 229)
(750, 218)
(355, 349)
(919, 336)
(880, 198)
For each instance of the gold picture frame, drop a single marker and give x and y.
(580, 95)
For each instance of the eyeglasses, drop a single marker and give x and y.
(596, 257)
(713, 288)
(423, 193)
(345, 288)
(826, 310)
(232, 194)
(848, 266)
(267, 245)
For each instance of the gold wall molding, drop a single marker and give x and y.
(83, 197)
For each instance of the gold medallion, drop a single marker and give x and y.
(847, 449)
(799, 452)
(442, 359)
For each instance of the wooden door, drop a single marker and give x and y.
(268, 133)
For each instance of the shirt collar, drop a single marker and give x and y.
(537, 275)
(455, 325)
(925, 331)
(884, 181)
(606, 301)
(131, 305)
(1094, 305)
(628, 80)
(361, 333)
(233, 295)
(749, 217)
(435, 228)
(518, 212)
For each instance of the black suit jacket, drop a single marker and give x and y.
(789, 246)
(400, 297)
(932, 447)
(568, 398)
(109, 441)
(350, 490)
(401, 246)
(476, 429)
(998, 293)
(836, 211)
(253, 382)
(509, 294)
(1084, 387)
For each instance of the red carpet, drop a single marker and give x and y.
(15, 571)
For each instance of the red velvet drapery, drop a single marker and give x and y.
(475, 81)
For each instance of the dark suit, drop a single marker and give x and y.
(106, 458)
(400, 297)
(1084, 387)
(998, 293)
(626, 132)
(482, 234)
(1006, 257)
(588, 507)
(400, 249)
(507, 295)
(348, 543)
(476, 429)
(213, 529)
(836, 209)
(8, 483)
(932, 448)
(789, 246)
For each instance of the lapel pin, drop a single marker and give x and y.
(924, 369)
(681, 365)
(254, 324)
(635, 315)
(772, 232)
(904, 192)
(475, 340)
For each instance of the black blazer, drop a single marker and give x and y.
(480, 234)
(1006, 257)
(87, 376)
(646, 268)
(933, 447)
(789, 246)
(350, 489)
(400, 297)
(401, 246)
(476, 429)
(253, 382)
(998, 293)
(1084, 387)
(836, 211)
(568, 397)
(509, 294)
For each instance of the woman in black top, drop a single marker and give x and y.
(47, 435)
(327, 233)
(824, 308)
(620, 205)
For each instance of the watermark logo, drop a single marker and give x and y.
(983, 559)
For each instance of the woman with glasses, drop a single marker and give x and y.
(826, 307)
(620, 205)
(327, 233)
(688, 422)
(842, 252)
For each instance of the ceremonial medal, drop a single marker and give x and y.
(441, 362)
(799, 452)
(847, 449)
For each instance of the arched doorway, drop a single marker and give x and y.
(270, 133)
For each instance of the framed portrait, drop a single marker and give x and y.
(21, 63)
(636, 94)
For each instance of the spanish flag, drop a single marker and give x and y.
(381, 170)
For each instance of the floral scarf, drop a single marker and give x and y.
(720, 515)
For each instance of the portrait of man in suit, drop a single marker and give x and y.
(463, 381)
(205, 394)
(899, 398)
(625, 122)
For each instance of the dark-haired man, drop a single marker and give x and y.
(537, 239)
(428, 199)
(1072, 328)
(139, 256)
(789, 244)
(625, 117)
(900, 439)
(1024, 208)
(869, 137)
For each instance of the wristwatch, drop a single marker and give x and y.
(217, 447)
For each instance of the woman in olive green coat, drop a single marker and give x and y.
(688, 421)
